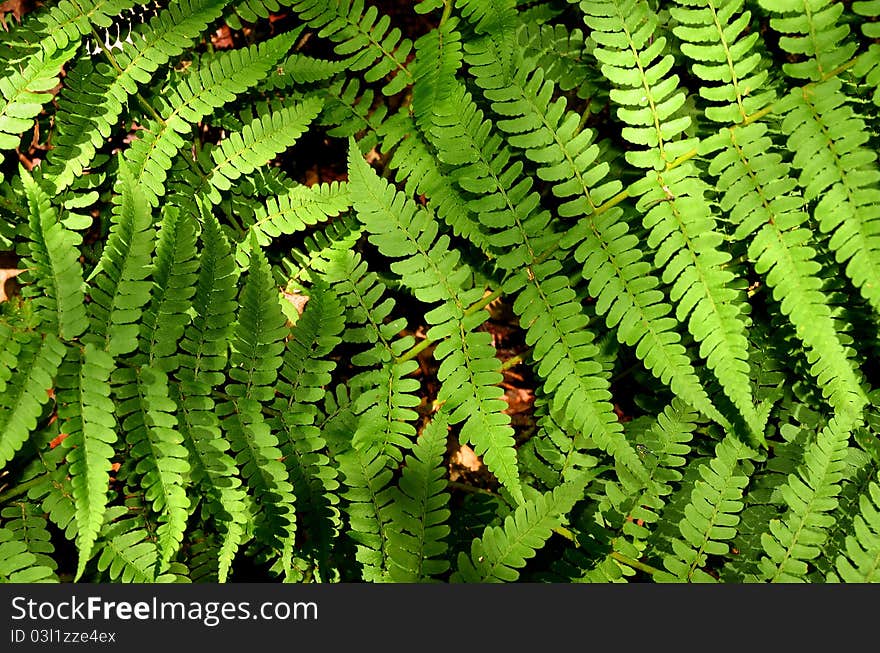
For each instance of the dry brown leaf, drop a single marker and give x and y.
(299, 301)
(5, 275)
(222, 38)
(463, 460)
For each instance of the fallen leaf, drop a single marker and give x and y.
(299, 301)
(5, 275)
(222, 38)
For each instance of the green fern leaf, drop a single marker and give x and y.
(174, 275)
(810, 494)
(203, 357)
(363, 36)
(711, 516)
(416, 538)
(86, 413)
(24, 525)
(502, 550)
(69, 20)
(52, 257)
(433, 272)
(207, 85)
(304, 374)
(261, 139)
(146, 413)
(367, 475)
(127, 554)
(257, 346)
(95, 94)
(28, 390)
(120, 289)
(860, 562)
(749, 170)
(298, 209)
(18, 564)
(23, 93)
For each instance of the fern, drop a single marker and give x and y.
(37, 363)
(859, 563)
(400, 230)
(274, 269)
(210, 84)
(146, 412)
(120, 289)
(367, 476)
(52, 255)
(256, 356)
(24, 93)
(416, 545)
(794, 540)
(86, 412)
(305, 371)
(365, 37)
(204, 351)
(87, 112)
(502, 550)
(27, 546)
(711, 515)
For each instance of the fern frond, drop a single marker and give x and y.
(438, 58)
(268, 134)
(120, 289)
(23, 93)
(556, 325)
(203, 357)
(663, 448)
(299, 68)
(28, 390)
(18, 564)
(416, 538)
(560, 53)
(384, 404)
(469, 370)
(673, 201)
(838, 171)
(716, 37)
(868, 64)
(860, 562)
(416, 164)
(94, 95)
(211, 83)
(52, 259)
(298, 209)
(620, 279)
(174, 275)
(257, 345)
(811, 31)
(85, 411)
(503, 550)
(304, 374)
(810, 494)
(146, 413)
(24, 526)
(69, 20)
(711, 516)
(367, 475)
(757, 193)
(553, 456)
(127, 554)
(365, 38)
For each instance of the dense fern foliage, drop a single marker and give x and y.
(269, 258)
